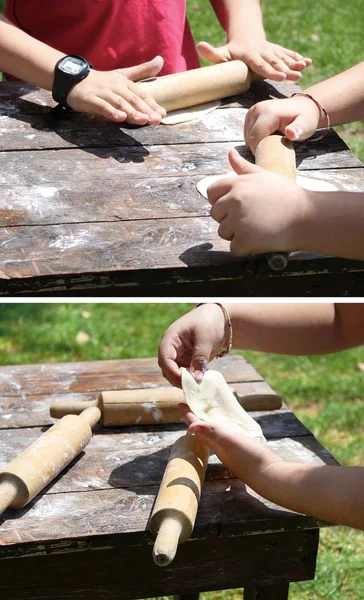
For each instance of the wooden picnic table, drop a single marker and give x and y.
(86, 535)
(89, 207)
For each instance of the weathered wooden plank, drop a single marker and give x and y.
(114, 573)
(20, 381)
(94, 166)
(27, 410)
(42, 203)
(126, 458)
(226, 503)
(83, 131)
(136, 253)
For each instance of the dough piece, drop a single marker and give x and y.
(204, 183)
(212, 400)
(190, 114)
(307, 183)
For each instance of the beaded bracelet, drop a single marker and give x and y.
(229, 324)
(320, 107)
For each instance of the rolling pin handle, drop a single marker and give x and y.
(277, 260)
(91, 415)
(60, 409)
(166, 543)
(8, 493)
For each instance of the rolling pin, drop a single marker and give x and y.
(175, 508)
(276, 153)
(196, 86)
(149, 406)
(33, 469)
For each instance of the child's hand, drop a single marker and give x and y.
(296, 118)
(258, 211)
(264, 58)
(246, 457)
(192, 341)
(114, 95)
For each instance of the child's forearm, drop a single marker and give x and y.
(342, 96)
(333, 224)
(296, 329)
(326, 492)
(241, 19)
(25, 57)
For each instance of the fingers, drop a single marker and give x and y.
(259, 123)
(187, 414)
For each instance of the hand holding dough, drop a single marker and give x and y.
(212, 400)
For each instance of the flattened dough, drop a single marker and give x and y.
(307, 183)
(212, 400)
(190, 114)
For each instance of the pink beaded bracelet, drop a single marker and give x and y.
(320, 107)
(229, 324)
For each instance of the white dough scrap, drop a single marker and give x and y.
(307, 183)
(190, 114)
(212, 400)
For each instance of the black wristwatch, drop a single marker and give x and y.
(69, 70)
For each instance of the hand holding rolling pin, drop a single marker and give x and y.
(297, 118)
(262, 57)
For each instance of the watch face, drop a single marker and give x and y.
(72, 65)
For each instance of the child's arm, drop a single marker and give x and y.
(111, 93)
(327, 492)
(260, 211)
(296, 329)
(299, 117)
(246, 41)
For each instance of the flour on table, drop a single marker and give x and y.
(190, 114)
(307, 183)
(212, 400)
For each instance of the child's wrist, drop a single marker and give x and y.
(219, 314)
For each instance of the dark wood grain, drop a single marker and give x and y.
(201, 565)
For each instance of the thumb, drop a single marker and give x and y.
(297, 131)
(200, 358)
(240, 165)
(211, 54)
(145, 70)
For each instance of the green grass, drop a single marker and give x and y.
(326, 393)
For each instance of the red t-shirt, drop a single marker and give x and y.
(111, 34)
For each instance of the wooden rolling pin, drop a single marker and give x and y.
(276, 153)
(33, 469)
(149, 406)
(196, 86)
(175, 508)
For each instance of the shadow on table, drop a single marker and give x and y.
(75, 129)
(203, 254)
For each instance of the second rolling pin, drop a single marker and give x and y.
(176, 506)
(276, 153)
(196, 86)
(149, 406)
(33, 469)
